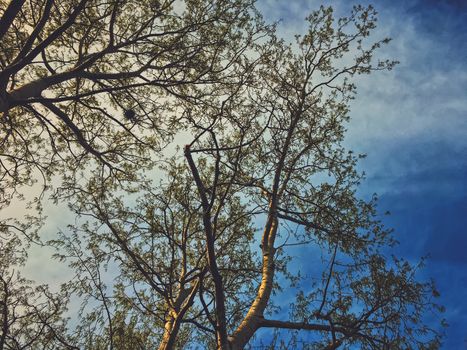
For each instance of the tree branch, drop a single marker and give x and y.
(9, 16)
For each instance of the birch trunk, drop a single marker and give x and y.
(255, 314)
(171, 328)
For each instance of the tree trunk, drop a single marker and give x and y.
(254, 316)
(175, 316)
(171, 328)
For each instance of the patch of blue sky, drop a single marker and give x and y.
(412, 123)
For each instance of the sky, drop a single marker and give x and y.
(412, 124)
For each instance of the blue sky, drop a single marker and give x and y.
(412, 124)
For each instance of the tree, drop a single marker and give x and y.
(88, 84)
(86, 79)
(201, 258)
(91, 83)
(31, 317)
(157, 247)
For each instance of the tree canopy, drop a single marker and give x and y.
(99, 78)
(219, 156)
